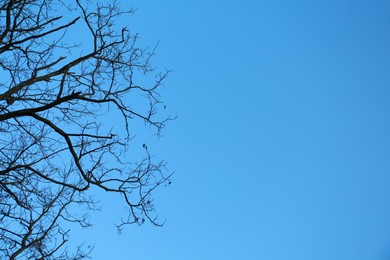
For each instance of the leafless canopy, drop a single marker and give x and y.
(59, 93)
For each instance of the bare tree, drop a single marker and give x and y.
(58, 92)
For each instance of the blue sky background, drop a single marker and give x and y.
(282, 146)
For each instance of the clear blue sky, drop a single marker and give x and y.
(282, 145)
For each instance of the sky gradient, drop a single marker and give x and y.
(281, 147)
